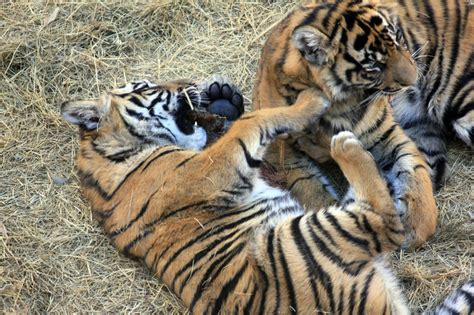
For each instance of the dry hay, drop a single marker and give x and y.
(53, 256)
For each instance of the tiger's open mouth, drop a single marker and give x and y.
(390, 93)
(189, 99)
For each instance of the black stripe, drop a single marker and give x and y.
(247, 185)
(121, 156)
(454, 46)
(149, 227)
(350, 18)
(126, 177)
(281, 61)
(401, 156)
(368, 228)
(156, 100)
(253, 163)
(384, 137)
(394, 243)
(182, 163)
(197, 257)
(364, 293)
(431, 153)
(355, 218)
(124, 228)
(168, 137)
(213, 271)
(229, 213)
(388, 162)
(248, 116)
(377, 124)
(352, 268)
(468, 297)
(157, 257)
(452, 112)
(327, 16)
(249, 304)
(438, 75)
(399, 173)
(135, 100)
(310, 262)
(415, 46)
(159, 155)
(104, 214)
(310, 18)
(290, 188)
(232, 192)
(208, 233)
(289, 285)
(271, 256)
(352, 297)
(132, 130)
(228, 288)
(134, 113)
(419, 166)
(263, 290)
(416, 123)
(315, 221)
(362, 243)
(466, 109)
(88, 180)
(340, 305)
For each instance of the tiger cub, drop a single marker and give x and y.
(203, 220)
(354, 51)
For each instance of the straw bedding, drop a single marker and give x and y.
(53, 256)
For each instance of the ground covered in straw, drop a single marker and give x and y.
(53, 256)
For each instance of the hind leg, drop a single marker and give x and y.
(369, 188)
(365, 179)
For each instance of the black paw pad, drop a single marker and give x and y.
(224, 100)
(224, 108)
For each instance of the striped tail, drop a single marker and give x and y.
(459, 302)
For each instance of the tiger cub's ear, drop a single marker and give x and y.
(85, 114)
(314, 45)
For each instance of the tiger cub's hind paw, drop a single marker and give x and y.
(221, 97)
(346, 146)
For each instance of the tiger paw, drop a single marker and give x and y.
(220, 97)
(345, 146)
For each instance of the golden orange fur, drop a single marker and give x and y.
(206, 223)
(352, 51)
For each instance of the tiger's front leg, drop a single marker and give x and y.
(243, 146)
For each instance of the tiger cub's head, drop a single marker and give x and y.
(139, 114)
(355, 45)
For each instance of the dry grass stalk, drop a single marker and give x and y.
(53, 256)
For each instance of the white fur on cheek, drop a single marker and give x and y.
(195, 141)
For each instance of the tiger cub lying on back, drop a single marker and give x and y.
(204, 221)
(355, 51)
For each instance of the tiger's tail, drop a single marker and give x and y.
(459, 302)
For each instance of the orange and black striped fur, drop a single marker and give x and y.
(440, 35)
(204, 221)
(356, 52)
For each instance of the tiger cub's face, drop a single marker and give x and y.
(141, 113)
(357, 45)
